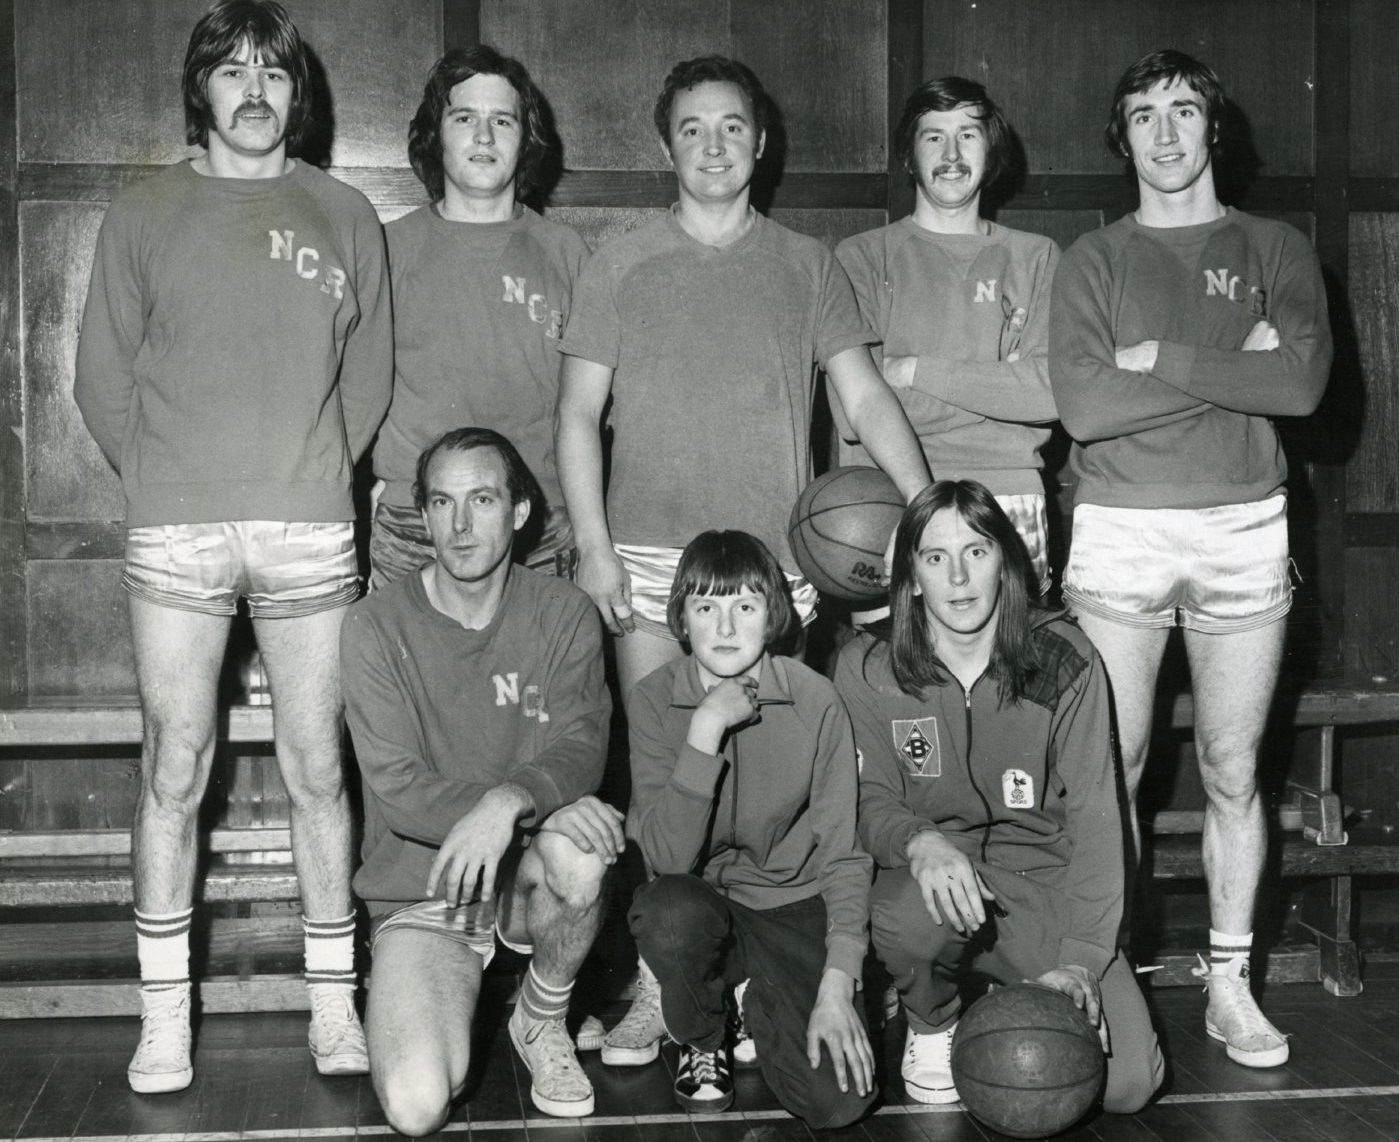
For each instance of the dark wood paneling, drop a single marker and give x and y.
(69, 478)
(1374, 89)
(1064, 226)
(122, 103)
(826, 70)
(1052, 66)
(830, 226)
(1117, 193)
(461, 24)
(1371, 612)
(905, 51)
(79, 638)
(1372, 474)
(1376, 194)
(599, 223)
(601, 63)
(75, 539)
(13, 678)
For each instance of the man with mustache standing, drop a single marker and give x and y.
(961, 304)
(235, 360)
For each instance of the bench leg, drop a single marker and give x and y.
(1326, 913)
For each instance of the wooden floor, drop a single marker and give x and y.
(65, 1079)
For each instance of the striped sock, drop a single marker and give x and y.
(162, 947)
(542, 1001)
(330, 951)
(1229, 954)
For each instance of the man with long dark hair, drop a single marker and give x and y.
(1178, 333)
(988, 794)
(234, 362)
(481, 291)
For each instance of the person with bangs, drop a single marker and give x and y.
(234, 362)
(743, 804)
(988, 794)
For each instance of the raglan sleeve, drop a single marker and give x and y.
(1096, 400)
(1082, 745)
(570, 762)
(366, 368)
(594, 329)
(845, 868)
(1286, 381)
(112, 332)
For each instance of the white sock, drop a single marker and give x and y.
(1227, 949)
(162, 947)
(330, 951)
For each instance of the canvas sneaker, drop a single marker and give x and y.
(558, 1085)
(162, 1060)
(336, 1036)
(1232, 1017)
(636, 1040)
(745, 1051)
(927, 1066)
(703, 1084)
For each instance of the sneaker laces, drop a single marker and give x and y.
(551, 1046)
(645, 1011)
(704, 1066)
(160, 1019)
(933, 1047)
(333, 1014)
(1234, 1004)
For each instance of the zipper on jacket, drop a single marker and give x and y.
(971, 776)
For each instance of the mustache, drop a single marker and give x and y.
(952, 168)
(254, 107)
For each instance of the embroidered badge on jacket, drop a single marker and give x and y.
(1017, 789)
(916, 739)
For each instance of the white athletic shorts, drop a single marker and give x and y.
(472, 924)
(1217, 570)
(652, 572)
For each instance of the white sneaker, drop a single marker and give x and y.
(336, 1036)
(162, 1060)
(745, 1051)
(636, 1040)
(558, 1085)
(1233, 1018)
(927, 1066)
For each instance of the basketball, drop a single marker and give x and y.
(839, 529)
(1026, 1061)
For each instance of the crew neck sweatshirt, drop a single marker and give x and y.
(479, 309)
(1196, 431)
(235, 356)
(974, 310)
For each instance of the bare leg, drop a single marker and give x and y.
(422, 1001)
(1132, 658)
(178, 656)
(1233, 677)
(302, 656)
(639, 654)
(555, 904)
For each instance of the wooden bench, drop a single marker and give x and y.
(43, 869)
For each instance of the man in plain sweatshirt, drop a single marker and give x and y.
(234, 362)
(474, 690)
(1176, 334)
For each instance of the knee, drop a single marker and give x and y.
(829, 1108)
(672, 914)
(1228, 777)
(414, 1104)
(313, 776)
(1129, 1088)
(176, 768)
(900, 925)
(573, 876)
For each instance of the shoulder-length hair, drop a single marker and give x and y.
(425, 130)
(913, 650)
(947, 94)
(265, 26)
(725, 563)
(1165, 66)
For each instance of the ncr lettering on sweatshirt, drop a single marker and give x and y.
(517, 292)
(530, 700)
(1223, 282)
(306, 262)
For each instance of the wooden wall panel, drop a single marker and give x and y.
(1374, 88)
(830, 226)
(1064, 226)
(12, 630)
(79, 638)
(599, 223)
(1372, 612)
(1052, 64)
(69, 478)
(1372, 472)
(122, 104)
(600, 63)
(826, 71)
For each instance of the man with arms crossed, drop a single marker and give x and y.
(961, 304)
(1177, 332)
(481, 287)
(474, 690)
(235, 360)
